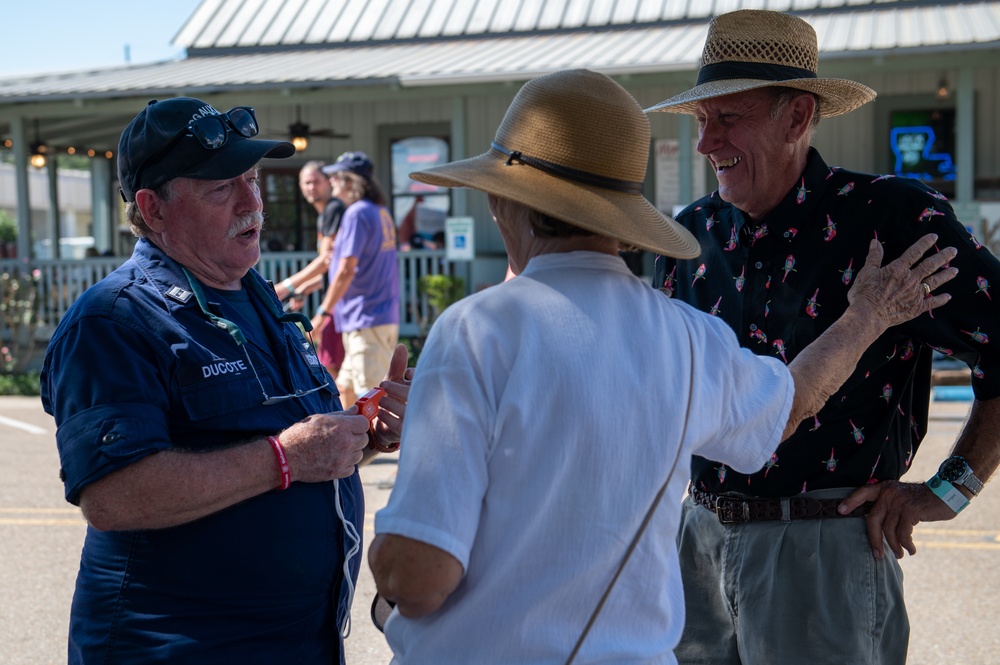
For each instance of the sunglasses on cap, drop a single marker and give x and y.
(211, 132)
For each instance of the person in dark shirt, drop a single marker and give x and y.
(788, 564)
(203, 441)
(318, 192)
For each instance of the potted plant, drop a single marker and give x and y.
(439, 292)
(8, 235)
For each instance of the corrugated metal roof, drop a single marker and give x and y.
(880, 26)
(226, 24)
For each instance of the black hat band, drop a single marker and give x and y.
(720, 71)
(569, 173)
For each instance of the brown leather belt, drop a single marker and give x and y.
(740, 510)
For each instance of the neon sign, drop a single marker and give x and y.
(922, 144)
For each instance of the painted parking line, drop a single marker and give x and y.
(27, 427)
(934, 545)
(13, 521)
(930, 538)
(41, 517)
(957, 539)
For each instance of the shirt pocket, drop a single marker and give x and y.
(219, 392)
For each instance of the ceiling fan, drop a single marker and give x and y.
(300, 133)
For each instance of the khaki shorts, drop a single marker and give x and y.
(367, 353)
(803, 591)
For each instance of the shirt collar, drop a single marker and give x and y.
(165, 275)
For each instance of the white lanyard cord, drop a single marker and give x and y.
(352, 534)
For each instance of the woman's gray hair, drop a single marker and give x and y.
(543, 225)
(134, 217)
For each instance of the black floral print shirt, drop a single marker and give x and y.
(781, 281)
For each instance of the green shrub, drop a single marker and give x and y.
(18, 320)
(441, 291)
(20, 384)
(8, 227)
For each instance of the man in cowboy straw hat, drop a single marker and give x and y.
(787, 575)
(519, 489)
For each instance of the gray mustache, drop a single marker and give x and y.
(244, 222)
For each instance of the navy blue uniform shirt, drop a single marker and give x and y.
(781, 281)
(135, 367)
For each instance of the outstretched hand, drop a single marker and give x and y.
(903, 289)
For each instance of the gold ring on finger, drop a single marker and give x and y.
(927, 289)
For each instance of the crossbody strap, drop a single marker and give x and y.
(645, 521)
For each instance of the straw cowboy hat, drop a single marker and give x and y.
(574, 145)
(755, 48)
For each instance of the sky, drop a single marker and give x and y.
(60, 35)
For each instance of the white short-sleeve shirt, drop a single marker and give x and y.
(545, 414)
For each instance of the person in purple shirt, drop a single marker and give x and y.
(363, 296)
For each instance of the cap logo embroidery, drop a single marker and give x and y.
(205, 110)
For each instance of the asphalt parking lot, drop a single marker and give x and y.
(953, 592)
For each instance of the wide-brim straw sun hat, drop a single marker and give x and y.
(574, 145)
(756, 48)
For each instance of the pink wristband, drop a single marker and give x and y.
(279, 452)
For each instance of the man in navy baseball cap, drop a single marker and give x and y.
(186, 137)
(199, 433)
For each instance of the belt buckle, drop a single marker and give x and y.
(731, 510)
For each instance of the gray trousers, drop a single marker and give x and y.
(780, 593)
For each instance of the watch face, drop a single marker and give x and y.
(952, 469)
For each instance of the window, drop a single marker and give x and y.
(418, 208)
(289, 222)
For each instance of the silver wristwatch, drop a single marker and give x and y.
(957, 472)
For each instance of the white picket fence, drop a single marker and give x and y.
(61, 281)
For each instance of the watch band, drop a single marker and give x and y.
(947, 493)
(971, 483)
(957, 471)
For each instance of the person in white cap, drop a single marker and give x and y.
(517, 528)
(788, 563)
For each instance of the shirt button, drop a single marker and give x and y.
(753, 327)
(110, 438)
(758, 265)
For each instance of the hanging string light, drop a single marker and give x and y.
(37, 149)
(942, 89)
(40, 152)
